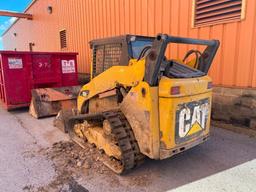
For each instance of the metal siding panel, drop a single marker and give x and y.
(151, 17)
(158, 16)
(81, 40)
(111, 17)
(166, 16)
(95, 20)
(127, 16)
(253, 83)
(96, 16)
(175, 19)
(100, 17)
(87, 50)
(132, 16)
(245, 45)
(73, 14)
(104, 18)
(238, 31)
(117, 17)
(70, 17)
(122, 16)
(229, 50)
(75, 29)
(144, 17)
(215, 70)
(87, 19)
(252, 72)
(138, 14)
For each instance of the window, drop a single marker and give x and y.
(210, 12)
(138, 46)
(63, 39)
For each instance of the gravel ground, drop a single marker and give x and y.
(35, 156)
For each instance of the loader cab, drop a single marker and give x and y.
(113, 51)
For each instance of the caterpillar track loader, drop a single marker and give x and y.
(150, 106)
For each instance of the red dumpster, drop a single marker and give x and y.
(22, 71)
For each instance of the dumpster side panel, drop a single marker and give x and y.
(15, 78)
(1, 80)
(45, 71)
(68, 64)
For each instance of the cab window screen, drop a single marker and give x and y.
(106, 56)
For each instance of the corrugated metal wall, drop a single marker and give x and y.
(84, 20)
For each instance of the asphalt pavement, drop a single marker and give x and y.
(227, 162)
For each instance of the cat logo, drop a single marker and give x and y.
(191, 118)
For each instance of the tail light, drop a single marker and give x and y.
(175, 90)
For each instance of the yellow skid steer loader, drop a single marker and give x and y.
(150, 106)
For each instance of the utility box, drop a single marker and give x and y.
(20, 72)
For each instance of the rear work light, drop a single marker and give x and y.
(175, 90)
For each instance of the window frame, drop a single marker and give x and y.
(193, 23)
(60, 36)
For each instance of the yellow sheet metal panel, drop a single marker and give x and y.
(185, 117)
(188, 86)
(140, 107)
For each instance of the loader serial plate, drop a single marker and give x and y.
(191, 119)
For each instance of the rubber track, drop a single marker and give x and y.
(131, 156)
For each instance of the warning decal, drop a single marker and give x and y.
(68, 66)
(15, 63)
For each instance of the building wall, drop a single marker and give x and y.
(84, 20)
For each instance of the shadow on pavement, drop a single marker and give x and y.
(223, 151)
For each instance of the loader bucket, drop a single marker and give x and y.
(47, 102)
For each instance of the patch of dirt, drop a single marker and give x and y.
(70, 161)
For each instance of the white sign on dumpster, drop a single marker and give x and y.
(68, 66)
(15, 63)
